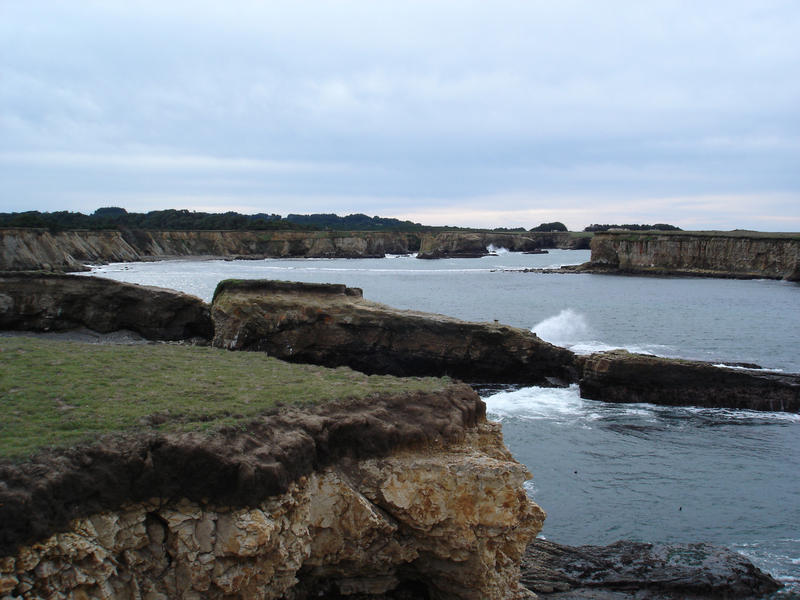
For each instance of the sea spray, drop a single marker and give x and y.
(567, 328)
(491, 248)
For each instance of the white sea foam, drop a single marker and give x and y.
(496, 249)
(536, 403)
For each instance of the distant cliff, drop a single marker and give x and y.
(468, 244)
(31, 249)
(741, 254)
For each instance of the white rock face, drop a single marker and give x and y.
(455, 518)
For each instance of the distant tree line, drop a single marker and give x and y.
(171, 220)
(657, 226)
(113, 217)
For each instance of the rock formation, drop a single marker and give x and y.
(472, 244)
(638, 571)
(741, 254)
(34, 249)
(619, 376)
(362, 497)
(333, 325)
(58, 302)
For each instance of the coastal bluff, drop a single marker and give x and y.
(28, 249)
(736, 254)
(39, 249)
(402, 496)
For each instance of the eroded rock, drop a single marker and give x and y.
(449, 518)
(56, 302)
(629, 570)
(333, 325)
(620, 376)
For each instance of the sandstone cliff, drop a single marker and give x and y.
(33, 249)
(469, 244)
(363, 497)
(333, 325)
(722, 254)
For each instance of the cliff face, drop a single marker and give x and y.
(415, 493)
(32, 249)
(456, 244)
(333, 325)
(732, 254)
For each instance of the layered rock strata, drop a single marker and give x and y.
(353, 498)
(629, 570)
(34, 249)
(719, 254)
(619, 376)
(470, 244)
(333, 325)
(57, 302)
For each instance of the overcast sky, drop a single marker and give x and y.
(472, 113)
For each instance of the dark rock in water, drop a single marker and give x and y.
(629, 570)
(332, 325)
(619, 376)
(536, 252)
(39, 301)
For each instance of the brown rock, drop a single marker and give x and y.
(619, 376)
(333, 325)
(56, 302)
(629, 570)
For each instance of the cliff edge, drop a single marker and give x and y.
(378, 496)
(736, 254)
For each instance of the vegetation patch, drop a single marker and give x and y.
(58, 393)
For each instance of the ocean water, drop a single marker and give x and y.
(604, 472)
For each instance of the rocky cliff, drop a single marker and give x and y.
(333, 325)
(619, 376)
(469, 244)
(33, 249)
(56, 302)
(413, 495)
(722, 254)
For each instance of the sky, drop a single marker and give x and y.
(468, 113)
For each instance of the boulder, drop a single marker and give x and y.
(39, 301)
(629, 570)
(333, 325)
(620, 376)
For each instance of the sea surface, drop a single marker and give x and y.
(602, 471)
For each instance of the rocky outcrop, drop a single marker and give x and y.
(637, 571)
(471, 244)
(35, 249)
(378, 497)
(333, 325)
(739, 254)
(58, 302)
(619, 376)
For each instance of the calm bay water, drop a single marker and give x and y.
(604, 471)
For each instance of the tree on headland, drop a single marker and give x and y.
(554, 226)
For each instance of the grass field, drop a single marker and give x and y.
(57, 393)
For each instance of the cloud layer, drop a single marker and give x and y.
(466, 113)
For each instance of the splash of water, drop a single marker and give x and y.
(567, 328)
(496, 249)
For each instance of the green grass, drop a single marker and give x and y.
(57, 393)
